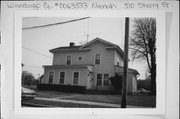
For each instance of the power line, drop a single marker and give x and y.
(55, 23)
(36, 52)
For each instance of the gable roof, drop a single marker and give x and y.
(105, 42)
(66, 48)
(100, 40)
(85, 47)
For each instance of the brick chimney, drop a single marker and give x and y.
(71, 44)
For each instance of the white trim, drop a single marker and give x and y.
(80, 60)
(73, 78)
(53, 76)
(99, 39)
(60, 77)
(102, 79)
(95, 59)
(66, 60)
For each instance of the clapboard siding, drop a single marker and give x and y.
(107, 56)
(68, 75)
(88, 70)
(106, 65)
(60, 58)
(118, 58)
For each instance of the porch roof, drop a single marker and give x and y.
(119, 69)
(68, 66)
(89, 67)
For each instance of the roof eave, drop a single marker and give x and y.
(69, 50)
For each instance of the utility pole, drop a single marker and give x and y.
(125, 71)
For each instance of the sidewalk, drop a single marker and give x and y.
(85, 102)
(78, 102)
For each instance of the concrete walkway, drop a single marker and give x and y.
(87, 102)
(78, 102)
(69, 96)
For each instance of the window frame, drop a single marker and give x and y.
(60, 77)
(101, 79)
(67, 59)
(106, 79)
(78, 58)
(73, 77)
(49, 77)
(99, 59)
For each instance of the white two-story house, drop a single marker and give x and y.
(88, 65)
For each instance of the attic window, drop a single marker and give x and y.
(80, 58)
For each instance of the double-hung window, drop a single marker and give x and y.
(51, 76)
(75, 78)
(102, 79)
(99, 79)
(68, 61)
(97, 59)
(62, 77)
(106, 80)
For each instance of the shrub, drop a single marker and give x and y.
(64, 88)
(116, 82)
(146, 84)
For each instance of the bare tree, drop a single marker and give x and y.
(143, 45)
(27, 78)
(83, 42)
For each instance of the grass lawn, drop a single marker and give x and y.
(140, 100)
(133, 100)
(136, 100)
(52, 94)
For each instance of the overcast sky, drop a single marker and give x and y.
(37, 42)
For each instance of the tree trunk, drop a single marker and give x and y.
(153, 76)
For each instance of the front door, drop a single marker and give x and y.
(89, 81)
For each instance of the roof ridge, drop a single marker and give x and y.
(79, 47)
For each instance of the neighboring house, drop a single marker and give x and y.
(88, 65)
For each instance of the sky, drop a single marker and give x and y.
(36, 42)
